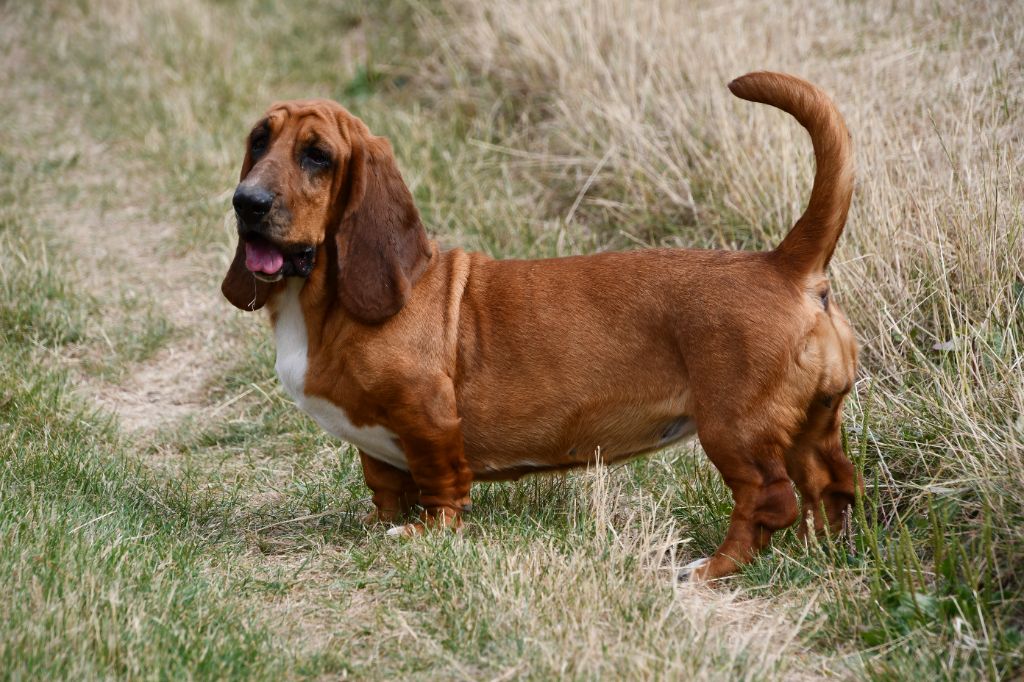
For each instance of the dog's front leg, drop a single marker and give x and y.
(394, 491)
(431, 436)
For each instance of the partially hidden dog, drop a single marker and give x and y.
(445, 367)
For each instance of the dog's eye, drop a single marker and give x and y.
(258, 143)
(316, 157)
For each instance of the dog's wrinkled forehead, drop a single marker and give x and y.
(305, 120)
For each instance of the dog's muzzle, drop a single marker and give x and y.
(265, 257)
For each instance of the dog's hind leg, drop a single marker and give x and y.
(821, 470)
(764, 499)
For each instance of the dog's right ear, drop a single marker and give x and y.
(240, 286)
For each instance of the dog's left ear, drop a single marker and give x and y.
(382, 246)
(240, 286)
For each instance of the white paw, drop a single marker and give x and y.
(399, 531)
(686, 572)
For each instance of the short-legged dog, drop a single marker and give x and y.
(445, 367)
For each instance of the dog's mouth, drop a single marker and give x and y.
(269, 262)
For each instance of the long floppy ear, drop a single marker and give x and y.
(382, 246)
(240, 286)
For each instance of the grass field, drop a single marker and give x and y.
(166, 513)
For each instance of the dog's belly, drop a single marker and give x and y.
(291, 365)
(511, 447)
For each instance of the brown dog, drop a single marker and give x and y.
(448, 367)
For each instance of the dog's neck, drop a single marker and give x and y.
(326, 317)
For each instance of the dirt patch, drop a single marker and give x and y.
(122, 256)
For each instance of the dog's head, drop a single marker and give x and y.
(317, 186)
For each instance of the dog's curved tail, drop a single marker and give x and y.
(808, 247)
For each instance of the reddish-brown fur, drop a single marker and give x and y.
(490, 369)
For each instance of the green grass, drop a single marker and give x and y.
(107, 574)
(227, 543)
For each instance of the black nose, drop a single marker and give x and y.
(252, 203)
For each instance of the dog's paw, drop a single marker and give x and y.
(419, 528)
(406, 531)
(691, 573)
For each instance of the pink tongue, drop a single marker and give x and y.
(263, 258)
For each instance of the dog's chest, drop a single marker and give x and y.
(292, 363)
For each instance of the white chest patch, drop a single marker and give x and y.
(290, 336)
